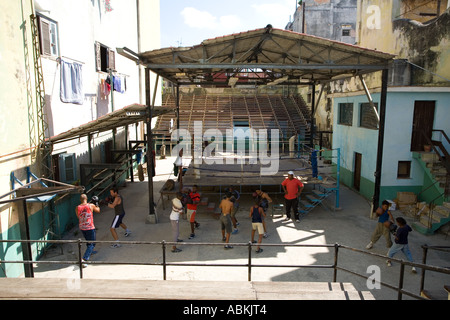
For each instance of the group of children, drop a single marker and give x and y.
(229, 205)
(385, 227)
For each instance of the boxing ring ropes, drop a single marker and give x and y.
(222, 176)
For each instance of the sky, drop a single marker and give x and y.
(189, 22)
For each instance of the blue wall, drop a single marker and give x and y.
(397, 140)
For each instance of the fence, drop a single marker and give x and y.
(249, 265)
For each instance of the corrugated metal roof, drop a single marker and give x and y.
(271, 53)
(128, 115)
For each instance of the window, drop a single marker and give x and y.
(404, 170)
(346, 33)
(367, 116)
(67, 167)
(345, 114)
(104, 57)
(48, 36)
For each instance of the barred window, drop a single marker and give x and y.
(345, 114)
(367, 116)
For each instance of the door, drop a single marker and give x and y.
(357, 171)
(422, 124)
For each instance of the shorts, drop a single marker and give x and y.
(259, 226)
(225, 221)
(234, 210)
(191, 215)
(117, 221)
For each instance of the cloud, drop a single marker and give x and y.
(276, 14)
(197, 19)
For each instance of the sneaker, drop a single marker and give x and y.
(84, 265)
(192, 236)
(297, 220)
(127, 233)
(197, 225)
(235, 231)
(254, 241)
(228, 247)
(370, 245)
(413, 270)
(179, 240)
(389, 264)
(176, 250)
(265, 235)
(115, 245)
(224, 239)
(259, 250)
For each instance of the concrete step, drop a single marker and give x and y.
(51, 288)
(443, 210)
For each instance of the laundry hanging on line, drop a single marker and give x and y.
(118, 83)
(71, 82)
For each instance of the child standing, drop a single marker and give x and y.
(257, 214)
(401, 242)
(382, 228)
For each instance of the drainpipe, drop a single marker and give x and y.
(382, 114)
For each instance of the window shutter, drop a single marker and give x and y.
(98, 57)
(67, 167)
(111, 59)
(45, 37)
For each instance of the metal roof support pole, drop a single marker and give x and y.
(313, 102)
(376, 194)
(178, 111)
(369, 97)
(151, 217)
(25, 235)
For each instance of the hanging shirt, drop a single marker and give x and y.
(71, 83)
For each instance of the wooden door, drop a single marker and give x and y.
(357, 171)
(422, 123)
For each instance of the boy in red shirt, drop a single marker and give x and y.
(192, 209)
(292, 188)
(85, 214)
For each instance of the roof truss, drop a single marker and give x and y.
(272, 54)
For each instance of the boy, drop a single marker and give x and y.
(382, 228)
(85, 214)
(264, 201)
(257, 214)
(192, 210)
(119, 211)
(177, 209)
(225, 219)
(401, 242)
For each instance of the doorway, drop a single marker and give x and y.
(422, 124)
(357, 171)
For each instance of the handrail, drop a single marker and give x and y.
(249, 265)
(443, 133)
(446, 162)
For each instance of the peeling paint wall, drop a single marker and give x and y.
(388, 26)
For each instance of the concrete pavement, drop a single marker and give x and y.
(350, 226)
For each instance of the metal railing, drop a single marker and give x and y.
(249, 265)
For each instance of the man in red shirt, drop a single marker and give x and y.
(192, 210)
(292, 188)
(85, 213)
